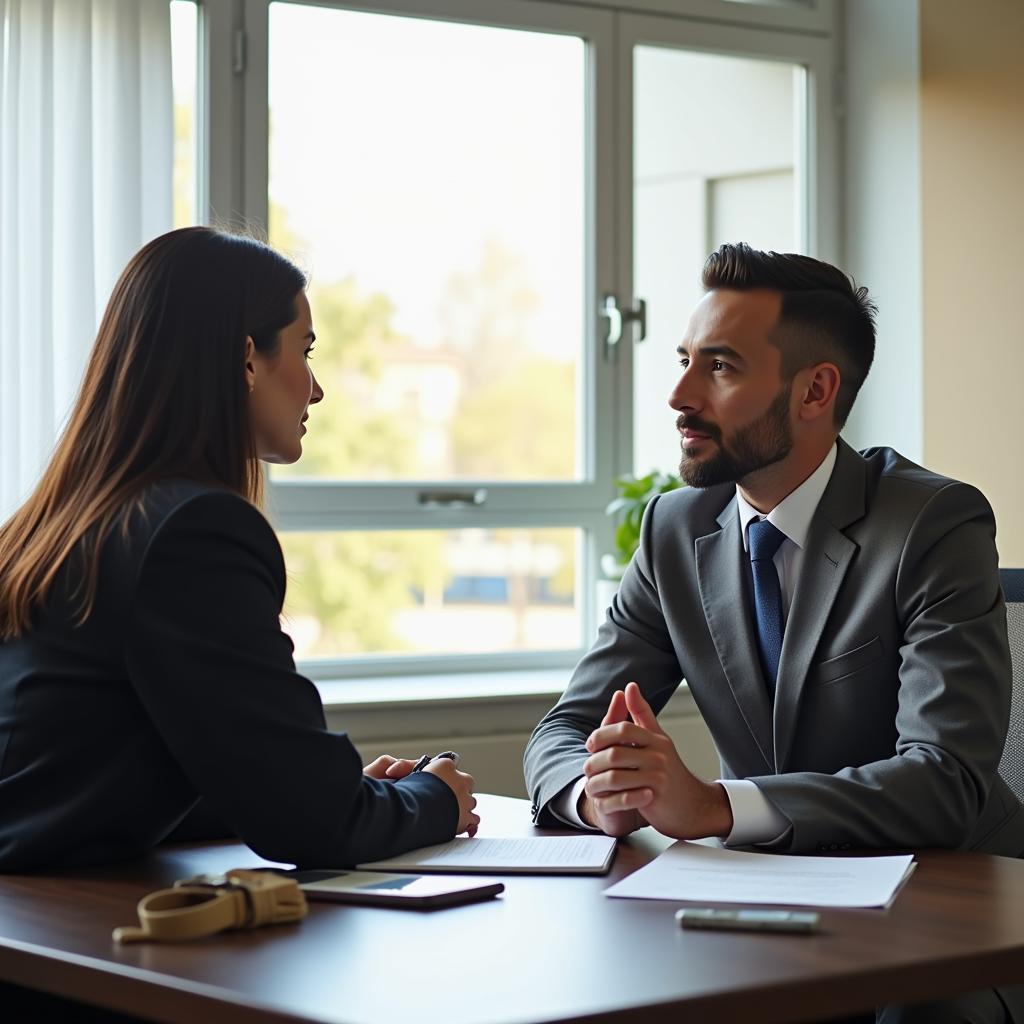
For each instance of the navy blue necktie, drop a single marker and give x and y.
(763, 540)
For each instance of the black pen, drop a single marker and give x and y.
(426, 759)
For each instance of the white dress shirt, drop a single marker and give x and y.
(755, 819)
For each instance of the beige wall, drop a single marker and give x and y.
(972, 215)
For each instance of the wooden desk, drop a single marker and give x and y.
(551, 949)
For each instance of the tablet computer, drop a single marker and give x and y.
(375, 889)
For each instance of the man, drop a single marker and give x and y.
(837, 616)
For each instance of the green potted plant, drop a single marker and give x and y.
(634, 494)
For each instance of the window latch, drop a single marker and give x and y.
(239, 52)
(453, 499)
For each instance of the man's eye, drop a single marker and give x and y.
(309, 353)
(684, 362)
(718, 365)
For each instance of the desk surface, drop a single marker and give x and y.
(550, 949)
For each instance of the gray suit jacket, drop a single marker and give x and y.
(893, 694)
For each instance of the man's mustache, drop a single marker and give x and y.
(698, 426)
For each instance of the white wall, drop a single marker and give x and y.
(883, 214)
(713, 162)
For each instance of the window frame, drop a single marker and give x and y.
(233, 125)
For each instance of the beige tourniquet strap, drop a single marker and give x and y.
(240, 899)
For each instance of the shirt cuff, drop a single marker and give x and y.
(564, 805)
(755, 819)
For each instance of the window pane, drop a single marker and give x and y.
(430, 176)
(715, 160)
(431, 591)
(184, 72)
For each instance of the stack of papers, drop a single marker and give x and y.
(536, 855)
(693, 871)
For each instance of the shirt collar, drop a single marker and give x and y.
(792, 516)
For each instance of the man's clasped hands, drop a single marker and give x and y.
(635, 777)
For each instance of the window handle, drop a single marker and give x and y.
(617, 318)
(610, 311)
(453, 499)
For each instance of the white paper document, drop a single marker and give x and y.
(692, 871)
(547, 855)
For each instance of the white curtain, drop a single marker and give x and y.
(86, 151)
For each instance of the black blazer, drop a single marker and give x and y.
(182, 685)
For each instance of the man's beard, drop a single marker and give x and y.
(765, 441)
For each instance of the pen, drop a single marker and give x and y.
(426, 759)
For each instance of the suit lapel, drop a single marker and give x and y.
(722, 582)
(826, 559)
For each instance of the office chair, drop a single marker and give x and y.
(1011, 767)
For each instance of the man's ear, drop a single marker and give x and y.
(818, 389)
(250, 364)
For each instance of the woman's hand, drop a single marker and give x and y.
(461, 784)
(390, 768)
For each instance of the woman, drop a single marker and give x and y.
(142, 664)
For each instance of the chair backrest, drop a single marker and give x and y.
(1011, 767)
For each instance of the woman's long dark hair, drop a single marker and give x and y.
(164, 395)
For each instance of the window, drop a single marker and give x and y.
(185, 75)
(465, 184)
(435, 592)
(437, 195)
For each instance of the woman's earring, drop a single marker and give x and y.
(251, 386)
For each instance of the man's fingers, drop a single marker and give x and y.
(627, 800)
(619, 734)
(618, 780)
(616, 709)
(639, 710)
(622, 757)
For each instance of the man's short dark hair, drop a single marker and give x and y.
(824, 317)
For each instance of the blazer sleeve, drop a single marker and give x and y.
(633, 643)
(953, 699)
(208, 659)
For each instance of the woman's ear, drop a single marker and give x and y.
(250, 364)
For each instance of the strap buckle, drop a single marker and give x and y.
(209, 903)
(209, 880)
